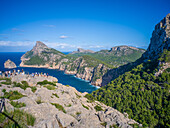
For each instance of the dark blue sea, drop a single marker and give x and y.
(80, 85)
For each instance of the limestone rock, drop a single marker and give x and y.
(9, 64)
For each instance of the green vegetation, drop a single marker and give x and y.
(17, 104)
(50, 87)
(59, 107)
(78, 113)
(104, 124)
(55, 95)
(116, 58)
(12, 95)
(85, 106)
(8, 81)
(69, 105)
(22, 118)
(24, 85)
(78, 96)
(46, 82)
(140, 94)
(35, 60)
(98, 108)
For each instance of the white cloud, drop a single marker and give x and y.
(16, 43)
(49, 25)
(63, 37)
(96, 46)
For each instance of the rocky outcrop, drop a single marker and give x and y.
(78, 112)
(9, 64)
(80, 50)
(160, 39)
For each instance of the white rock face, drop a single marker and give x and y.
(9, 64)
(79, 112)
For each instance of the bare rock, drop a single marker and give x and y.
(9, 64)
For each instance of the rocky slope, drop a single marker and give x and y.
(84, 67)
(61, 106)
(9, 64)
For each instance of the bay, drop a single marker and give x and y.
(79, 84)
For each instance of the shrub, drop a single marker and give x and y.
(59, 107)
(50, 87)
(46, 82)
(55, 95)
(39, 101)
(13, 95)
(33, 89)
(78, 96)
(98, 108)
(17, 104)
(78, 113)
(85, 106)
(21, 117)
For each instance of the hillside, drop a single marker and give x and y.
(117, 56)
(41, 102)
(84, 67)
(143, 91)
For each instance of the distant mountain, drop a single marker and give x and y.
(142, 88)
(117, 56)
(80, 50)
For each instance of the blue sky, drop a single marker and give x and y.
(68, 24)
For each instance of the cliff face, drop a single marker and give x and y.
(160, 39)
(9, 64)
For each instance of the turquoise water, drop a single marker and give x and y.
(80, 85)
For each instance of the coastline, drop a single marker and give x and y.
(48, 67)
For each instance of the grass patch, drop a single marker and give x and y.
(23, 118)
(104, 124)
(50, 87)
(23, 84)
(33, 89)
(17, 104)
(69, 105)
(12, 95)
(90, 98)
(45, 82)
(98, 108)
(78, 96)
(55, 95)
(8, 81)
(85, 106)
(78, 113)
(59, 107)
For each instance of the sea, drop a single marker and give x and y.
(65, 79)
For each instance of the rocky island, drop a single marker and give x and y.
(9, 64)
(52, 105)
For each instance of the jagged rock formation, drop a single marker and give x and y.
(9, 64)
(160, 39)
(80, 50)
(77, 111)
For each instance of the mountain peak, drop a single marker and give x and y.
(40, 44)
(160, 39)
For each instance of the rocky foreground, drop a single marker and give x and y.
(60, 106)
